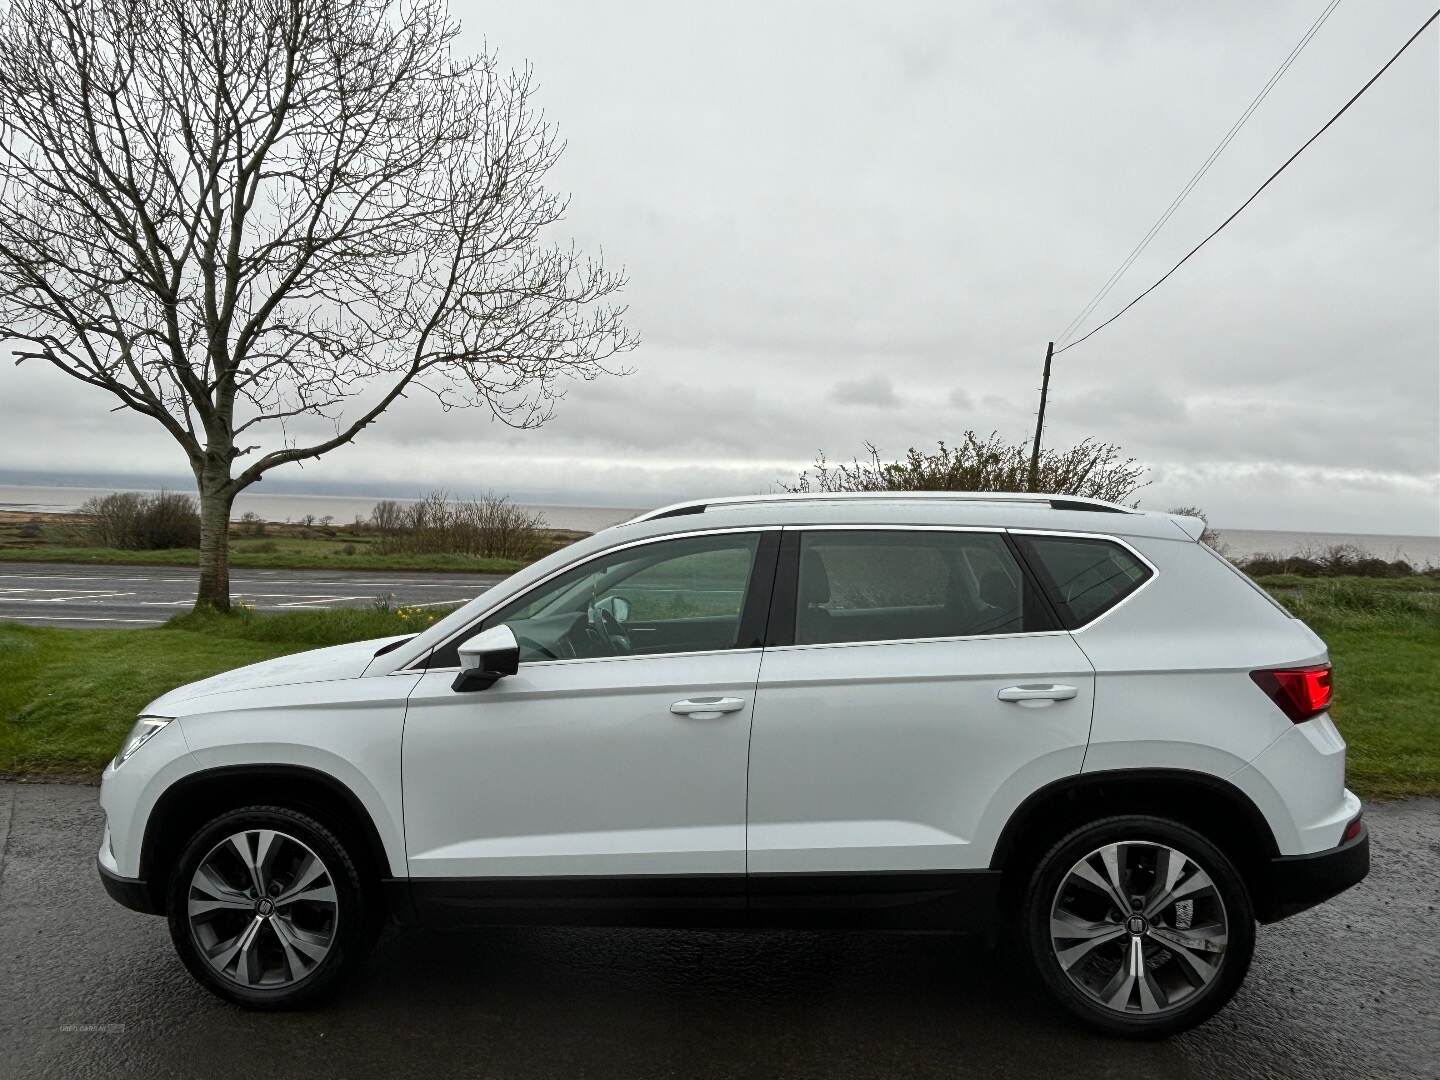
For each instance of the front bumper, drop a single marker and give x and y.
(1293, 883)
(133, 893)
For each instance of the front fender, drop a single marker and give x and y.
(349, 730)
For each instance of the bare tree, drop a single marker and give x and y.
(253, 219)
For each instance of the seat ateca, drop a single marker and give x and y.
(1056, 716)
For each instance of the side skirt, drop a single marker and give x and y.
(935, 900)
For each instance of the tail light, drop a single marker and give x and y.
(1300, 692)
(1352, 830)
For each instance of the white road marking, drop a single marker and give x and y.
(67, 599)
(83, 618)
(322, 600)
(234, 580)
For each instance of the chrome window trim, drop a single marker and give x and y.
(1119, 542)
(1068, 534)
(998, 530)
(917, 641)
(468, 628)
(872, 526)
(565, 660)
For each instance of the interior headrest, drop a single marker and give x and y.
(997, 590)
(814, 580)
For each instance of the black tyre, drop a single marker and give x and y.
(266, 908)
(1138, 925)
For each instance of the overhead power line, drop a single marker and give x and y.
(1255, 103)
(1371, 82)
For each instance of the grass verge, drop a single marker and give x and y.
(68, 696)
(1384, 642)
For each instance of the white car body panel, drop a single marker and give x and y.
(579, 767)
(129, 793)
(349, 729)
(898, 756)
(1298, 783)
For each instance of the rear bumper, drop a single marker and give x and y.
(133, 893)
(1293, 883)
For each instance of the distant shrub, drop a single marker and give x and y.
(264, 547)
(348, 549)
(1337, 560)
(490, 527)
(31, 530)
(982, 463)
(252, 524)
(135, 522)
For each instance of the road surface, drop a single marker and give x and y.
(87, 989)
(89, 596)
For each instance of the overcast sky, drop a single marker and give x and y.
(863, 221)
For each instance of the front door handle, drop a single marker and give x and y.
(707, 708)
(1035, 694)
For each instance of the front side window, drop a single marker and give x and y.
(681, 595)
(1084, 576)
(875, 585)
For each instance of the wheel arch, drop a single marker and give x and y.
(197, 798)
(1208, 804)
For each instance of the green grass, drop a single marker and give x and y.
(1384, 639)
(68, 696)
(280, 554)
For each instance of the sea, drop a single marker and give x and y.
(1238, 543)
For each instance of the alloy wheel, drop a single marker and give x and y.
(1139, 927)
(262, 909)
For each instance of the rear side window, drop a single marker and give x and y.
(1084, 577)
(874, 585)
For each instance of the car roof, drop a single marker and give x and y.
(938, 508)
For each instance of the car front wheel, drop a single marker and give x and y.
(1139, 925)
(266, 908)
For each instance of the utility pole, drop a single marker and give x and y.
(1040, 418)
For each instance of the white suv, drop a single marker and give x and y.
(899, 711)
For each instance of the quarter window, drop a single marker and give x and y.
(866, 585)
(1084, 577)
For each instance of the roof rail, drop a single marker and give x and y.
(1055, 502)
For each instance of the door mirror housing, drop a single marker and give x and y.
(617, 606)
(487, 658)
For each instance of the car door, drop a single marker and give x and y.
(607, 775)
(915, 689)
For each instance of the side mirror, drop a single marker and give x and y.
(487, 658)
(616, 605)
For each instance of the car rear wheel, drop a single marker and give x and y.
(266, 908)
(1139, 925)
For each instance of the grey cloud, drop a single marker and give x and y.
(899, 205)
(875, 391)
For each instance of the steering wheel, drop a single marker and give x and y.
(613, 632)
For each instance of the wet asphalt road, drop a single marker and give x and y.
(88, 989)
(95, 597)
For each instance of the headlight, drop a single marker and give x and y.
(139, 735)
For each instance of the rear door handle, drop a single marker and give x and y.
(1037, 694)
(707, 708)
